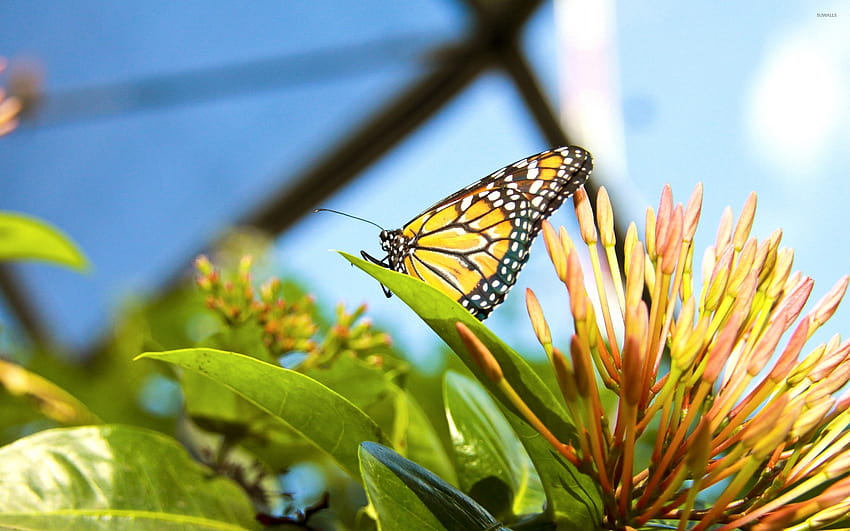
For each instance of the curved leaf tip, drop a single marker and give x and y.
(25, 237)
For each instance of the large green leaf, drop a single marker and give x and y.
(322, 416)
(407, 496)
(492, 465)
(113, 477)
(442, 313)
(27, 238)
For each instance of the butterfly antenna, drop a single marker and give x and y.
(348, 216)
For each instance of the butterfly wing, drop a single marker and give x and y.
(472, 244)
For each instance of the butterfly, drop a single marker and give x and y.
(473, 244)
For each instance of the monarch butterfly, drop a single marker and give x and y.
(472, 244)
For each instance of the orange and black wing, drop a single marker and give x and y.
(473, 244)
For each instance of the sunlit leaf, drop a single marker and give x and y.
(113, 477)
(322, 416)
(27, 238)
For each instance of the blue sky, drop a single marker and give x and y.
(745, 97)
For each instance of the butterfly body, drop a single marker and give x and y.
(472, 244)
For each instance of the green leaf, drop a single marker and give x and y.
(407, 496)
(113, 477)
(441, 313)
(492, 465)
(322, 416)
(572, 498)
(27, 238)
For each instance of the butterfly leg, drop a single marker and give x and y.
(383, 263)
